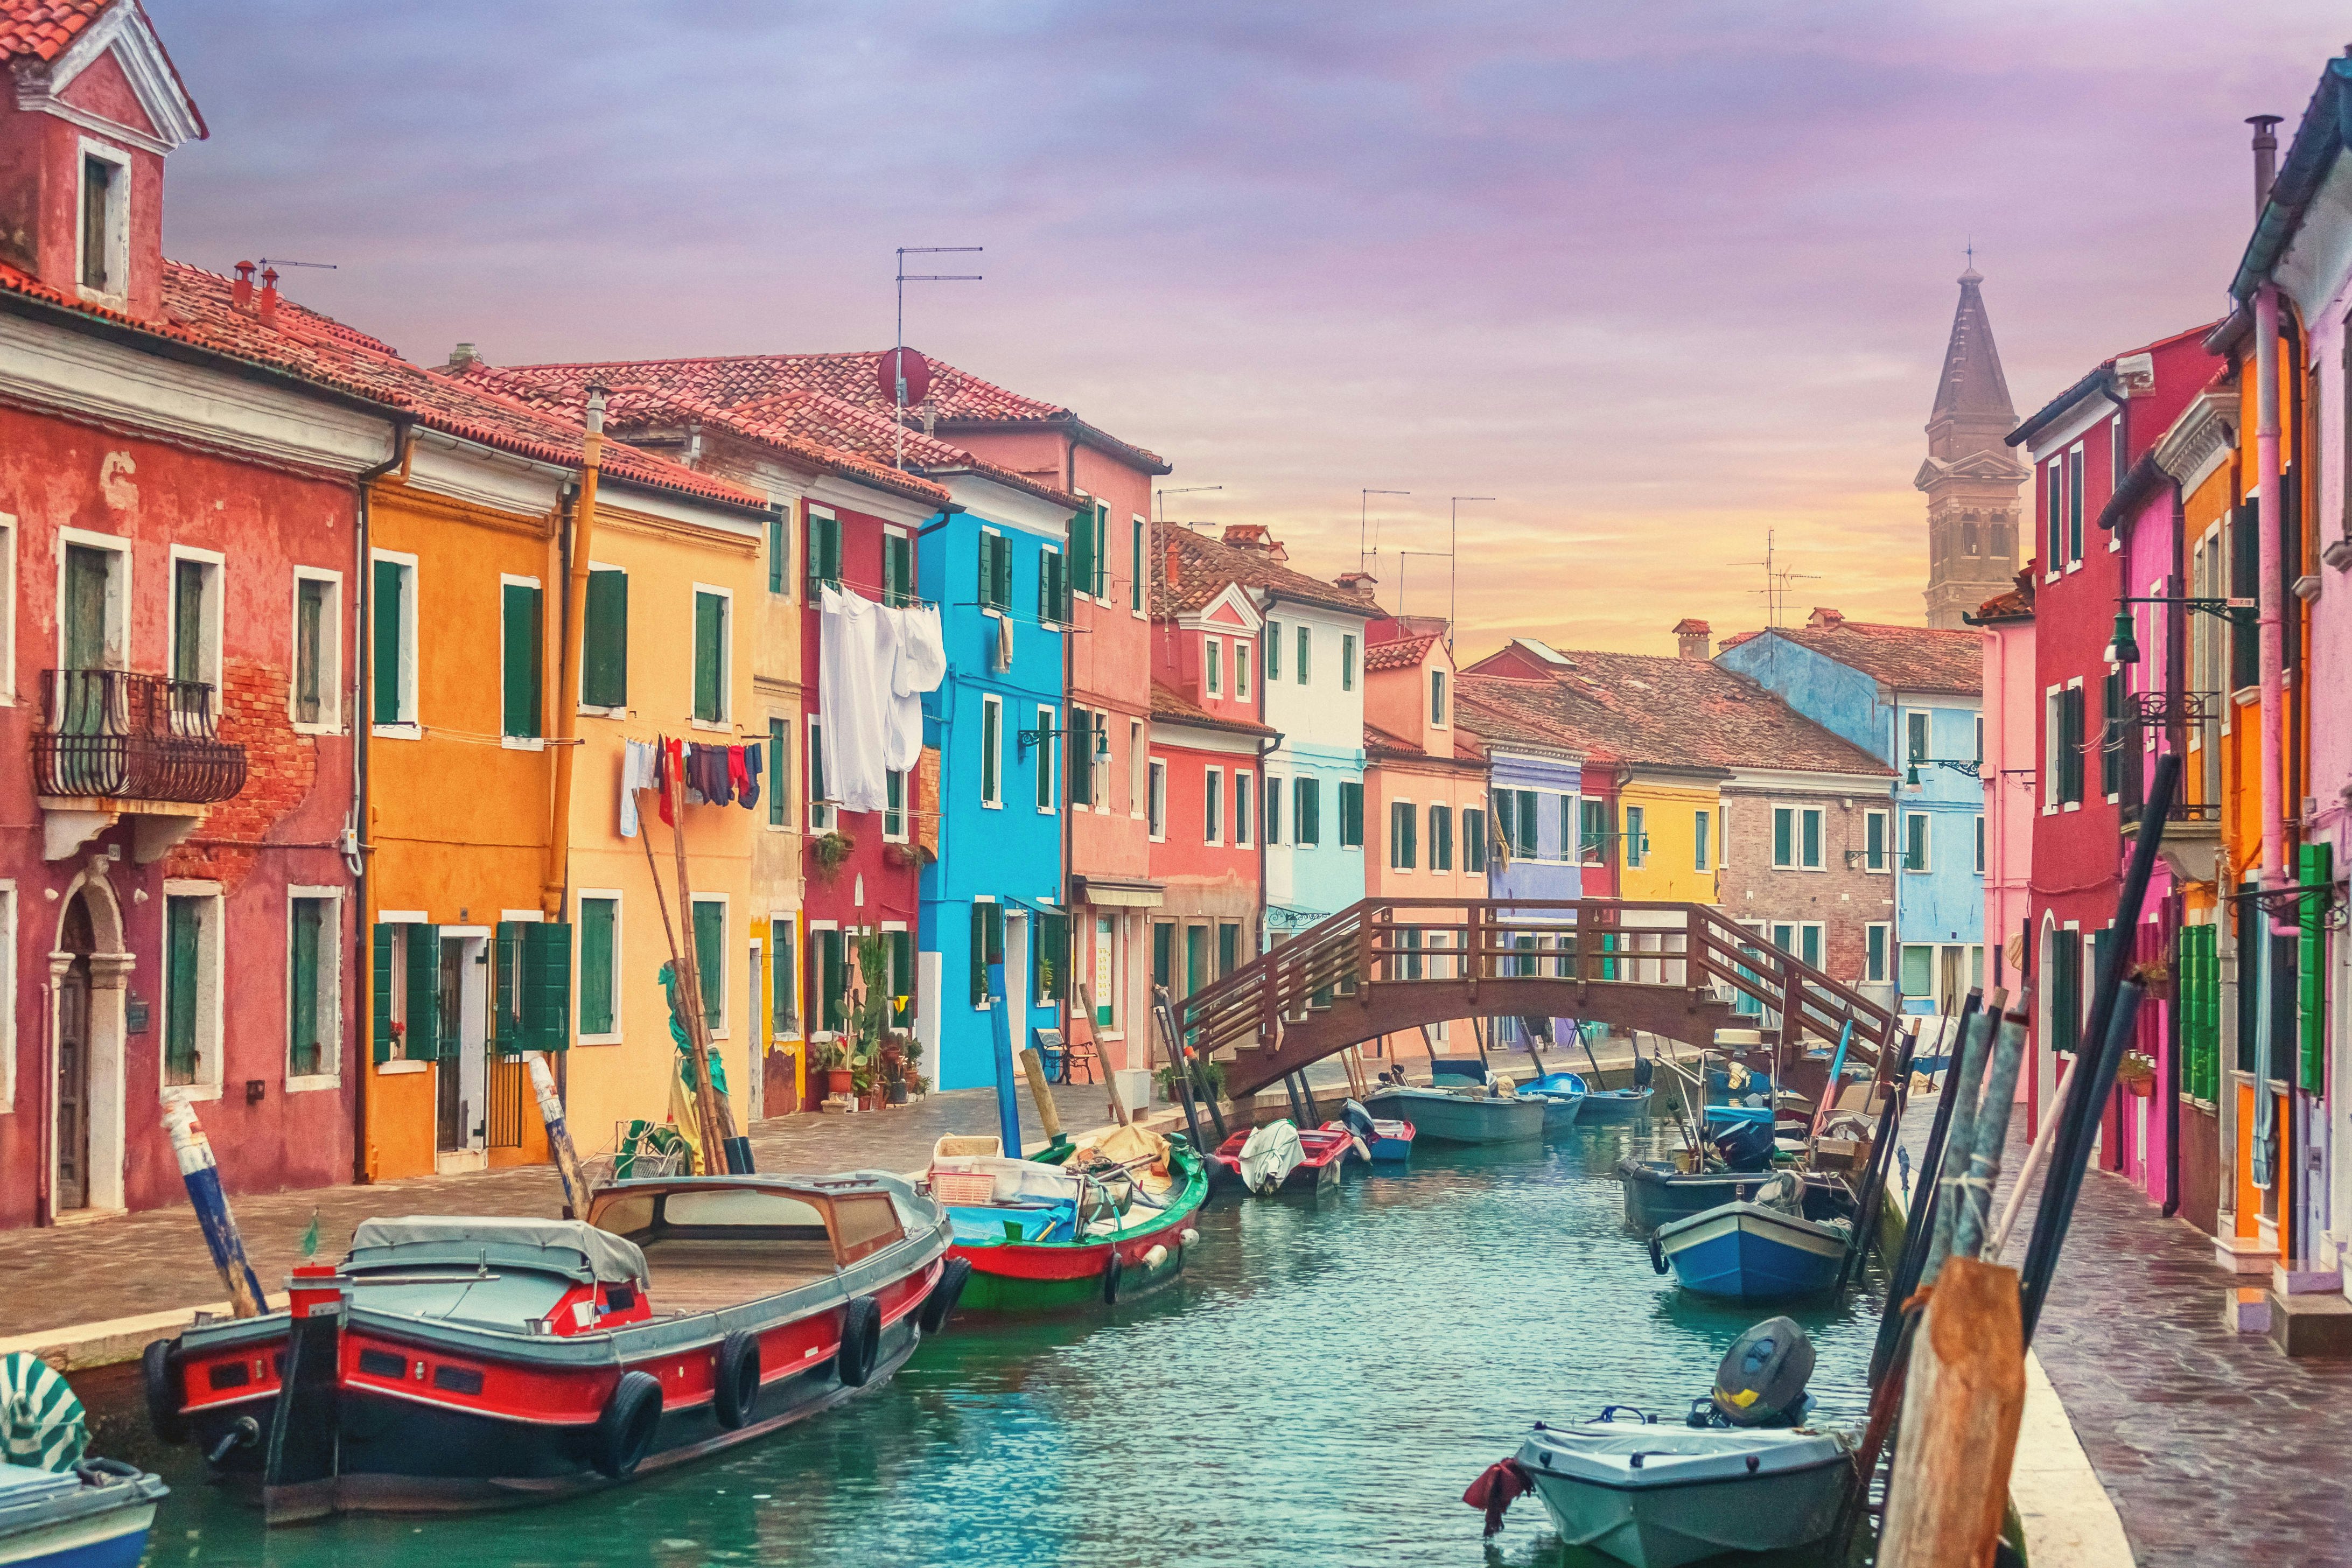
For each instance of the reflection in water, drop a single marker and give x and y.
(1325, 1380)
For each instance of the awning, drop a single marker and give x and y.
(1108, 892)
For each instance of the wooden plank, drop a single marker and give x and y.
(1961, 1406)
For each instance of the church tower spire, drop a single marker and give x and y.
(1970, 478)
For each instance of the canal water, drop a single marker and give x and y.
(1319, 1388)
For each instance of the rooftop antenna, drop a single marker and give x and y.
(1777, 579)
(1363, 522)
(897, 372)
(1452, 570)
(1406, 555)
(282, 261)
(1160, 499)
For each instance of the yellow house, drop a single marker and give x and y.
(463, 607)
(1672, 822)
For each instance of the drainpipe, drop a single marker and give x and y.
(363, 720)
(575, 615)
(2176, 686)
(2272, 646)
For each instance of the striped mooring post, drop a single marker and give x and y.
(202, 1175)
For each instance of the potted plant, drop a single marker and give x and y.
(2154, 976)
(894, 1072)
(1208, 1080)
(831, 850)
(870, 1009)
(2136, 1073)
(832, 1059)
(908, 857)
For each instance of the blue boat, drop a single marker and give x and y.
(1384, 1139)
(1752, 1252)
(95, 1515)
(1628, 1104)
(1564, 1097)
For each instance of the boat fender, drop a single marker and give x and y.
(1190, 1237)
(160, 1374)
(1113, 1267)
(735, 1390)
(1155, 1258)
(624, 1433)
(861, 1341)
(942, 1302)
(1657, 1254)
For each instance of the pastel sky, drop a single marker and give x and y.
(1659, 277)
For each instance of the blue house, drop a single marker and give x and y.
(1534, 784)
(1914, 698)
(997, 570)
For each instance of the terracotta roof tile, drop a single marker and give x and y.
(43, 28)
(1205, 566)
(1909, 659)
(727, 380)
(1401, 653)
(1177, 708)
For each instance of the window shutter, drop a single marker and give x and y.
(710, 959)
(380, 1021)
(519, 658)
(1528, 838)
(1784, 834)
(707, 701)
(898, 568)
(833, 980)
(824, 551)
(1101, 576)
(387, 612)
(547, 986)
(780, 532)
(605, 664)
(1050, 963)
(779, 758)
(1004, 578)
(188, 620)
(310, 644)
(424, 964)
(1081, 756)
(596, 966)
(1046, 584)
(1081, 550)
(302, 983)
(1812, 840)
(980, 955)
(183, 937)
(783, 969)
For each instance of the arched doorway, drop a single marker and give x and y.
(76, 940)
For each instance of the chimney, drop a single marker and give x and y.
(462, 359)
(2265, 158)
(1691, 635)
(1357, 582)
(1249, 536)
(266, 306)
(1823, 617)
(1175, 565)
(240, 293)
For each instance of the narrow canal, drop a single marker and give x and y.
(1319, 1388)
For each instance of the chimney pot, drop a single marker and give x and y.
(266, 305)
(240, 293)
(1175, 564)
(463, 357)
(1690, 637)
(1823, 615)
(2266, 157)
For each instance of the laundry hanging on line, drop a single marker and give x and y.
(706, 775)
(875, 663)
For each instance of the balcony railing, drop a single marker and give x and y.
(2196, 812)
(114, 734)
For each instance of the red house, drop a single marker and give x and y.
(2082, 443)
(180, 534)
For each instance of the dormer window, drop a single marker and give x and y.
(1437, 698)
(105, 220)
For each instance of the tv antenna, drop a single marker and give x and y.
(1777, 579)
(282, 261)
(1363, 526)
(1160, 499)
(1452, 570)
(899, 368)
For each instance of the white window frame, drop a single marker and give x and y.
(211, 986)
(209, 635)
(811, 996)
(992, 703)
(1703, 834)
(1439, 701)
(409, 725)
(1138, 546)
(1242, 808)
(724, 1028)
(823, 814)
(1980, 842)
(1049, 758)
(330, 652)
(725, 722)
(1933, 949)
(1885, 842)
(1887, 958)
(2054, 525)
(1213, 666)
(1821, 838)
(330, 991)
(619, 913)
(2076, 685)
(1927, 842)
(905, 831)
(1155, 805)
(987, 1004)
(1271, 805)
(2077, 495)
(1924, 721)
(117, 598)
(522, 742)
(980, 597)
(1138, 772)
(1241, 669)
(118, 223)
(1213, 792)
(1634, 856)
(787, 921)
(579, 691)
(1413, 809)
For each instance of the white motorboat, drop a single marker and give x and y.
(1657, 1497)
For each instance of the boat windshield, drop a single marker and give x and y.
(505, 1297)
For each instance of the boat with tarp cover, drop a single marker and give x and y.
(466, 1362)
(1074, 1225)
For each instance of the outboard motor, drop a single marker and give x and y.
(1644, 1069)
(1761, 1381)
(1745, 1146)
(1357, 1121)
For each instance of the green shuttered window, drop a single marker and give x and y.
(183, 949)
(824, 550)
(710, 958)
(1306, 812)
(600, 924)
(995, 572)
(832, 979)
(605, 642)
(1051, 961)
(306, 936)
(519, 659)
(987, 947)
(1351, 814)
(312, 627)
(709, 656)
(780, 545)
(389, 613)
(897, 569)
(780, 745)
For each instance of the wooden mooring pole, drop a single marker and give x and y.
(1964, 1398)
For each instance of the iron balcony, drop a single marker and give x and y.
(113, 734)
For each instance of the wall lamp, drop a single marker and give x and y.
(1044, 732)
(1969, 766)
(2124, 647)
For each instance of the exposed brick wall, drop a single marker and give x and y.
(1842, 898)
(281, 771)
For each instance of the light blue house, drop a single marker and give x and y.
(997, 571)
(1913, 697)
(1538, 834)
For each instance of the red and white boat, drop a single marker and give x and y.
(1323, 1154)
(469, 1362)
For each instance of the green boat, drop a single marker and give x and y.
(1069, 1226)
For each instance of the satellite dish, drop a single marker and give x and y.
(896, 363)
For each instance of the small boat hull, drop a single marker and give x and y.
(1656, 1193)
(1564, 1097)
(1048, 1277)
(1752, 1253)
(49, 1520)
(1610, 1105)
(1659, 1497)
(1445, 1118)
(1324, 1154)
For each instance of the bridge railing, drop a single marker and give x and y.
(1390, 941)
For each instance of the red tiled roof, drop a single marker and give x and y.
(43, 28)
(1170, 705)
(2017, 605)
(1908, 658)
(1401, 653)
(1205, 566)
(198, 311)
(956, 395)
(1504, 712)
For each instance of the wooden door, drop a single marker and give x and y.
(448, 1036)
(73, 1062)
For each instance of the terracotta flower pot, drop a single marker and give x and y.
(839, 1080)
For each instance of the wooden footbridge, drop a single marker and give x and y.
(1384, 966)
